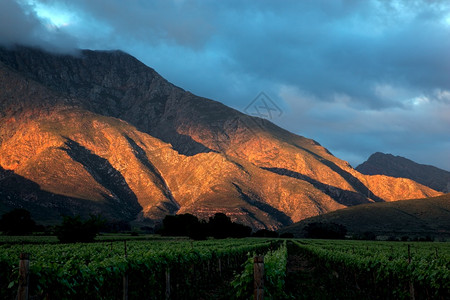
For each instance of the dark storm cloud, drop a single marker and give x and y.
(20, 25)
(358, 76)
(322, 47)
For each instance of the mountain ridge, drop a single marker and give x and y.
(398, 166)
(103, 127)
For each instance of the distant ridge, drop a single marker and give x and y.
(413, 218)
(397, 166)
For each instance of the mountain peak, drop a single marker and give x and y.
(102, 129)
(398, 166)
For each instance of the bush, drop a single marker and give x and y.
(17, 222)
(73, 229)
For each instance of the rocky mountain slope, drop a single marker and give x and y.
(103, 132)
(397, 166)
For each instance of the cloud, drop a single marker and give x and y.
(20, 25)
(363, 76)
(417, 130)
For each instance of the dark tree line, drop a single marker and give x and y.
(75, 229)
(71, 230)
(219, 226)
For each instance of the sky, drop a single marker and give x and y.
(357, 76)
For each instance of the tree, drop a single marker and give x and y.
(318, 230)
(220, 226)
(240, 230)
(199, 230)
(73, 229)
(179, 225)
(17, 222)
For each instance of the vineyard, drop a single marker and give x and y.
(182, 269)
(378, 270)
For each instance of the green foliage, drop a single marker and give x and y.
(275, 262)
(242, 283)
(95, 270)
(385, 269)
(17, 222)
(73, 229)
(275, 272)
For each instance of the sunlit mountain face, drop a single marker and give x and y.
(100, 132)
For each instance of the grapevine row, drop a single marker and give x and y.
(383, 269)
(96, 271)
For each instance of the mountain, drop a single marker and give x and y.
(397, 166)
(419, 217)
(102, 132)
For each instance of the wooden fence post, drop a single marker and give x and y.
(258, 279)
(24, 275)
(167, 283)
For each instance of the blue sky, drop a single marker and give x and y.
(356, 76)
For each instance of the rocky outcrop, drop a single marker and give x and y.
(103, 128)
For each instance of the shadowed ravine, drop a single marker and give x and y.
(104, 173)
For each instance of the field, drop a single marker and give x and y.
(157, 268)
(376, 270)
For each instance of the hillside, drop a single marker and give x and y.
(418, 217)
(397, 166)
(105, 133)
